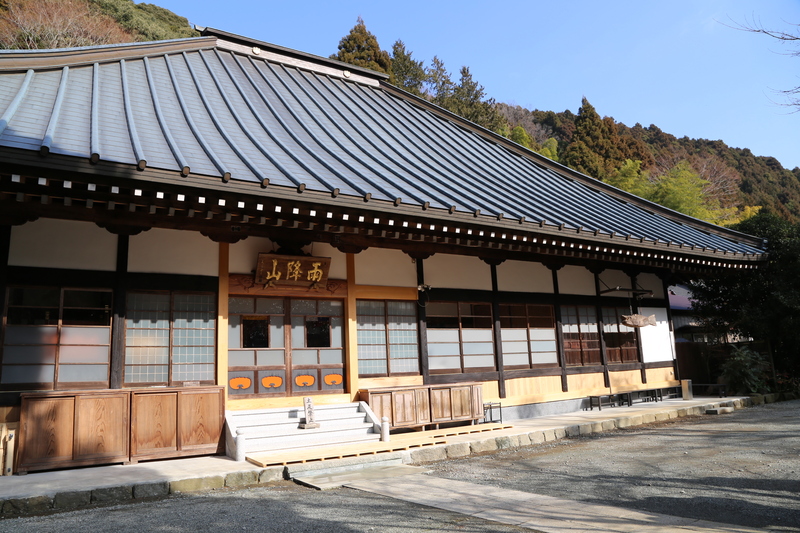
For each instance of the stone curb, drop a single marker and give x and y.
(504, 442)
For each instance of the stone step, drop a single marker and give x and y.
(256, 421)
(329, 426)
(269, 416)
(309, 437)
(299, 446)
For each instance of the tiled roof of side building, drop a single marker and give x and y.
(224, 106)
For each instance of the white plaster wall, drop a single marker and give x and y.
(244, 254)
(575, 280)
(524, 276)
(390, 268)
(51, 243)
(651, 282)
(615, 278)
(658, 343)
(166, 251)
(445, 271)
(338, 259)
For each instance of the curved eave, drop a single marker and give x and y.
(570, 173)
(376, 217)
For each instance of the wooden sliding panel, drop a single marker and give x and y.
(202, 415)
(441, 405)
(404, 407)
(101, 428)
(423, 405)
(46, 431)
(154, 424)
(381, 405)
(461, 402)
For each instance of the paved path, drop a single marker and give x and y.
(532, 511)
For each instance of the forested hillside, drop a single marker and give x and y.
(703, 178)
(46, 24)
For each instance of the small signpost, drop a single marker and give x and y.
(308, 407)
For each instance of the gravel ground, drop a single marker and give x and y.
(741, 468)
(280, 508)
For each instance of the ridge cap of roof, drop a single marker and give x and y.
(325, 61)
(60, 57)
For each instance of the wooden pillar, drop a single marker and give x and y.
(422, 318)
(600, 326)
(635, 301)
(498, 339)
(351, 331)
(562, 360)
(5, 247)
(665, 288)
(222, 317)
(119, 310)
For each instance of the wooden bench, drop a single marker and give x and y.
(615, 398)
(709, 387)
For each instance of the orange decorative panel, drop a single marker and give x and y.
(240, 383)
(272, 382)
(333, 379)
(304, 380)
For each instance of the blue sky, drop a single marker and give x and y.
(674, 64)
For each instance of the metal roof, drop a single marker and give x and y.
(222, 106)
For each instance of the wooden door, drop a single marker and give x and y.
(404, 407)
(381, 405)
(461, 401)
(441, 405)
(201, 416)
(423, 406)
(154, 422)
(101, 428)
(477, 401)
(46, 430)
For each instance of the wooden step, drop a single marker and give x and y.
(453, 432)
(328, 453)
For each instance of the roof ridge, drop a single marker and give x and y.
(63, 57)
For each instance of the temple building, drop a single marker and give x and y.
(201, 226)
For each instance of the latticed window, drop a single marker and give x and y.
(170, 338)
(529, 335)
(581, 335)
(460, 337)
(56, 338)
(387, 338)
(620, 339)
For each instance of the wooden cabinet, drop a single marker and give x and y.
(79, 428)
(427, 404)
(73, 429)
(177, 422)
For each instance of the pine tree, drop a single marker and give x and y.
(438, 83)
(409, 74)
(360, 48)
(595, 147)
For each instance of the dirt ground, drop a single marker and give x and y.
(742, 468)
